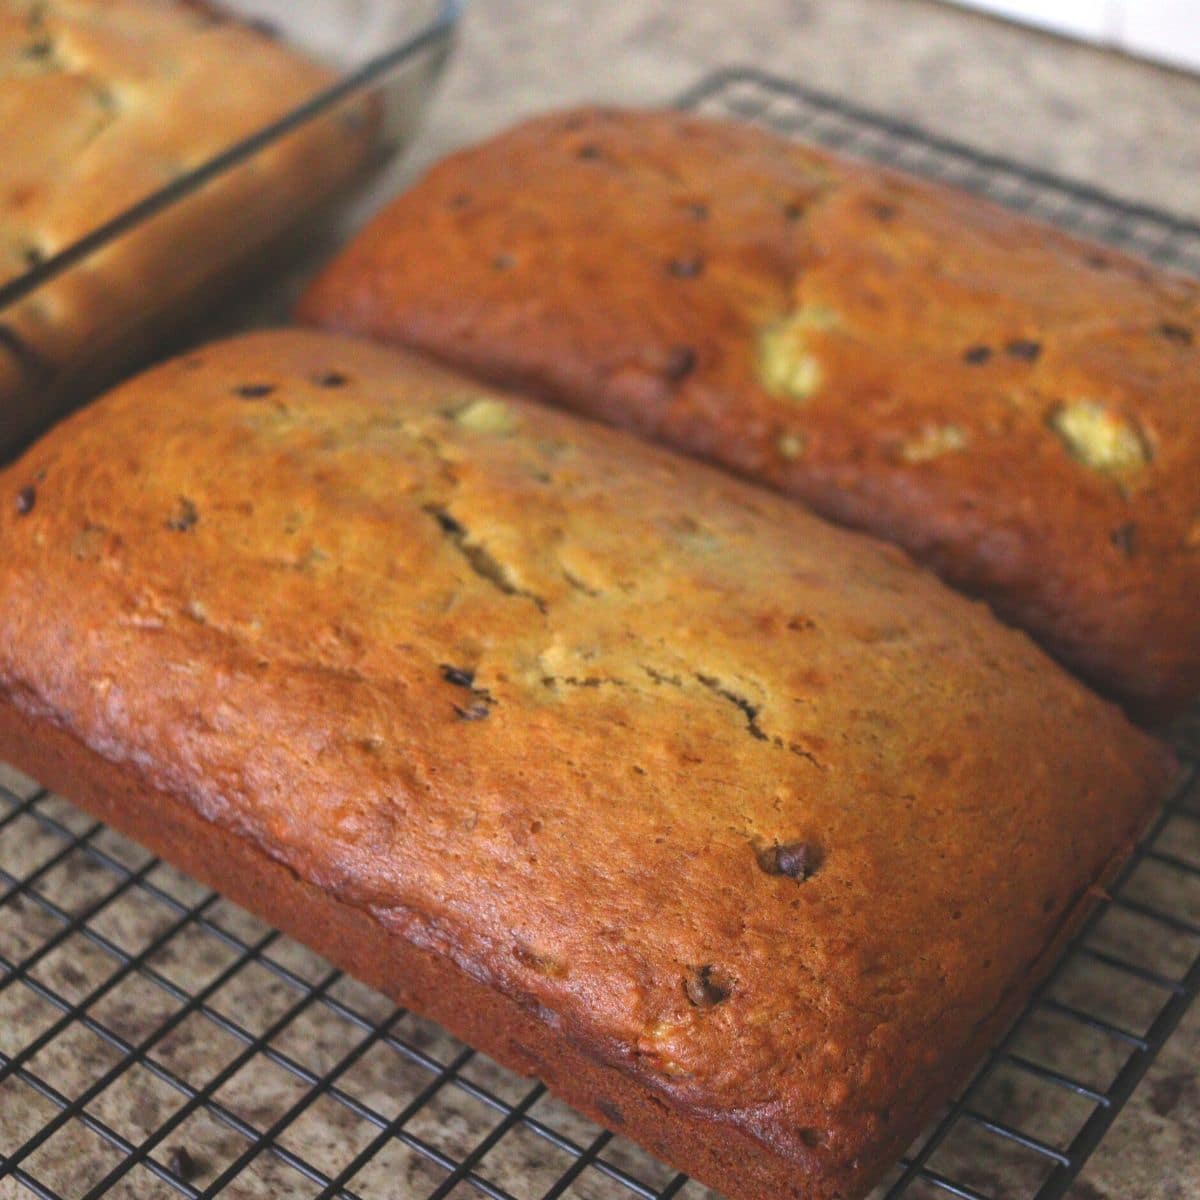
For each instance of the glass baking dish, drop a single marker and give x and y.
(156, 269)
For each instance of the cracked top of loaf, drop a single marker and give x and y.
(750, 807)
(1016, 407)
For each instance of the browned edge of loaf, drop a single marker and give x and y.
(715, 1153)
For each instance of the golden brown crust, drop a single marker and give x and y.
(102, 103)
(1013, 406)
(566, 713)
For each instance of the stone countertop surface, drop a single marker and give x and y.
(1125, 126)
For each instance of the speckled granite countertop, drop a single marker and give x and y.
(1128, 127)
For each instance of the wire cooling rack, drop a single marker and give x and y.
(156, 1041)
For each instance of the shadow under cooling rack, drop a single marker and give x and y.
(156, 1041)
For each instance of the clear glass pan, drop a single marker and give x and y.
(124, 291)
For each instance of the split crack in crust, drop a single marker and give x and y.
(480, 559)
(493, 572)
(484, 563)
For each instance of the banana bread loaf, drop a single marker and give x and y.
(740, 830)
(1014, 407)
(103, 102)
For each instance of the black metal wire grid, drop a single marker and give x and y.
(155, 1041)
